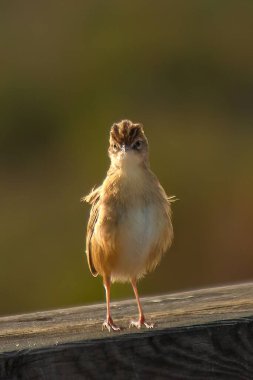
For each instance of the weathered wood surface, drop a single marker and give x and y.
(203, 334)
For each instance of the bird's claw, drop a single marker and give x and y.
(140, 323)
(109, 325)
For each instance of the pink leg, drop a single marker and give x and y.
(108, 323)
(141, 321)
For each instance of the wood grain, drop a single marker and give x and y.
(203, 334)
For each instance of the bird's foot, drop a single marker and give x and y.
(141, 322)
(109, 325)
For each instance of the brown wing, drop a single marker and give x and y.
(93, 198)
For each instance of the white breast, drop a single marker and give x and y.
(139, 230)
(137, 226)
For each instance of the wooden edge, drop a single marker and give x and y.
(83, 324)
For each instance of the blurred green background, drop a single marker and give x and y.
(68, 71)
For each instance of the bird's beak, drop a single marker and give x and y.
(124, 148)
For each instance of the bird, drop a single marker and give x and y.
(130, 222)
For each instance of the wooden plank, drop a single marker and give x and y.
(200, 334)
(172, 310)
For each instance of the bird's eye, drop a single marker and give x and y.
(115, 147)
(137, 145)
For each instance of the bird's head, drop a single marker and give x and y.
(128, 144)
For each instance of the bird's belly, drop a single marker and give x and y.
(139, 230)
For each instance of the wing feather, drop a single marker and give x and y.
(92, 198)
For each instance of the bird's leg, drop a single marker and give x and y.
(141, 321)
(108, 323)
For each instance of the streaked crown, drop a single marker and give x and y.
(128, 135)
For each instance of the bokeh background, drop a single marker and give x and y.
(68, 71)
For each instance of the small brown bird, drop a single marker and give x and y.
(130, 226)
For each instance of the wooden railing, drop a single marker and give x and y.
(202, 334)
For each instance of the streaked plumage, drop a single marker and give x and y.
(130, 226)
